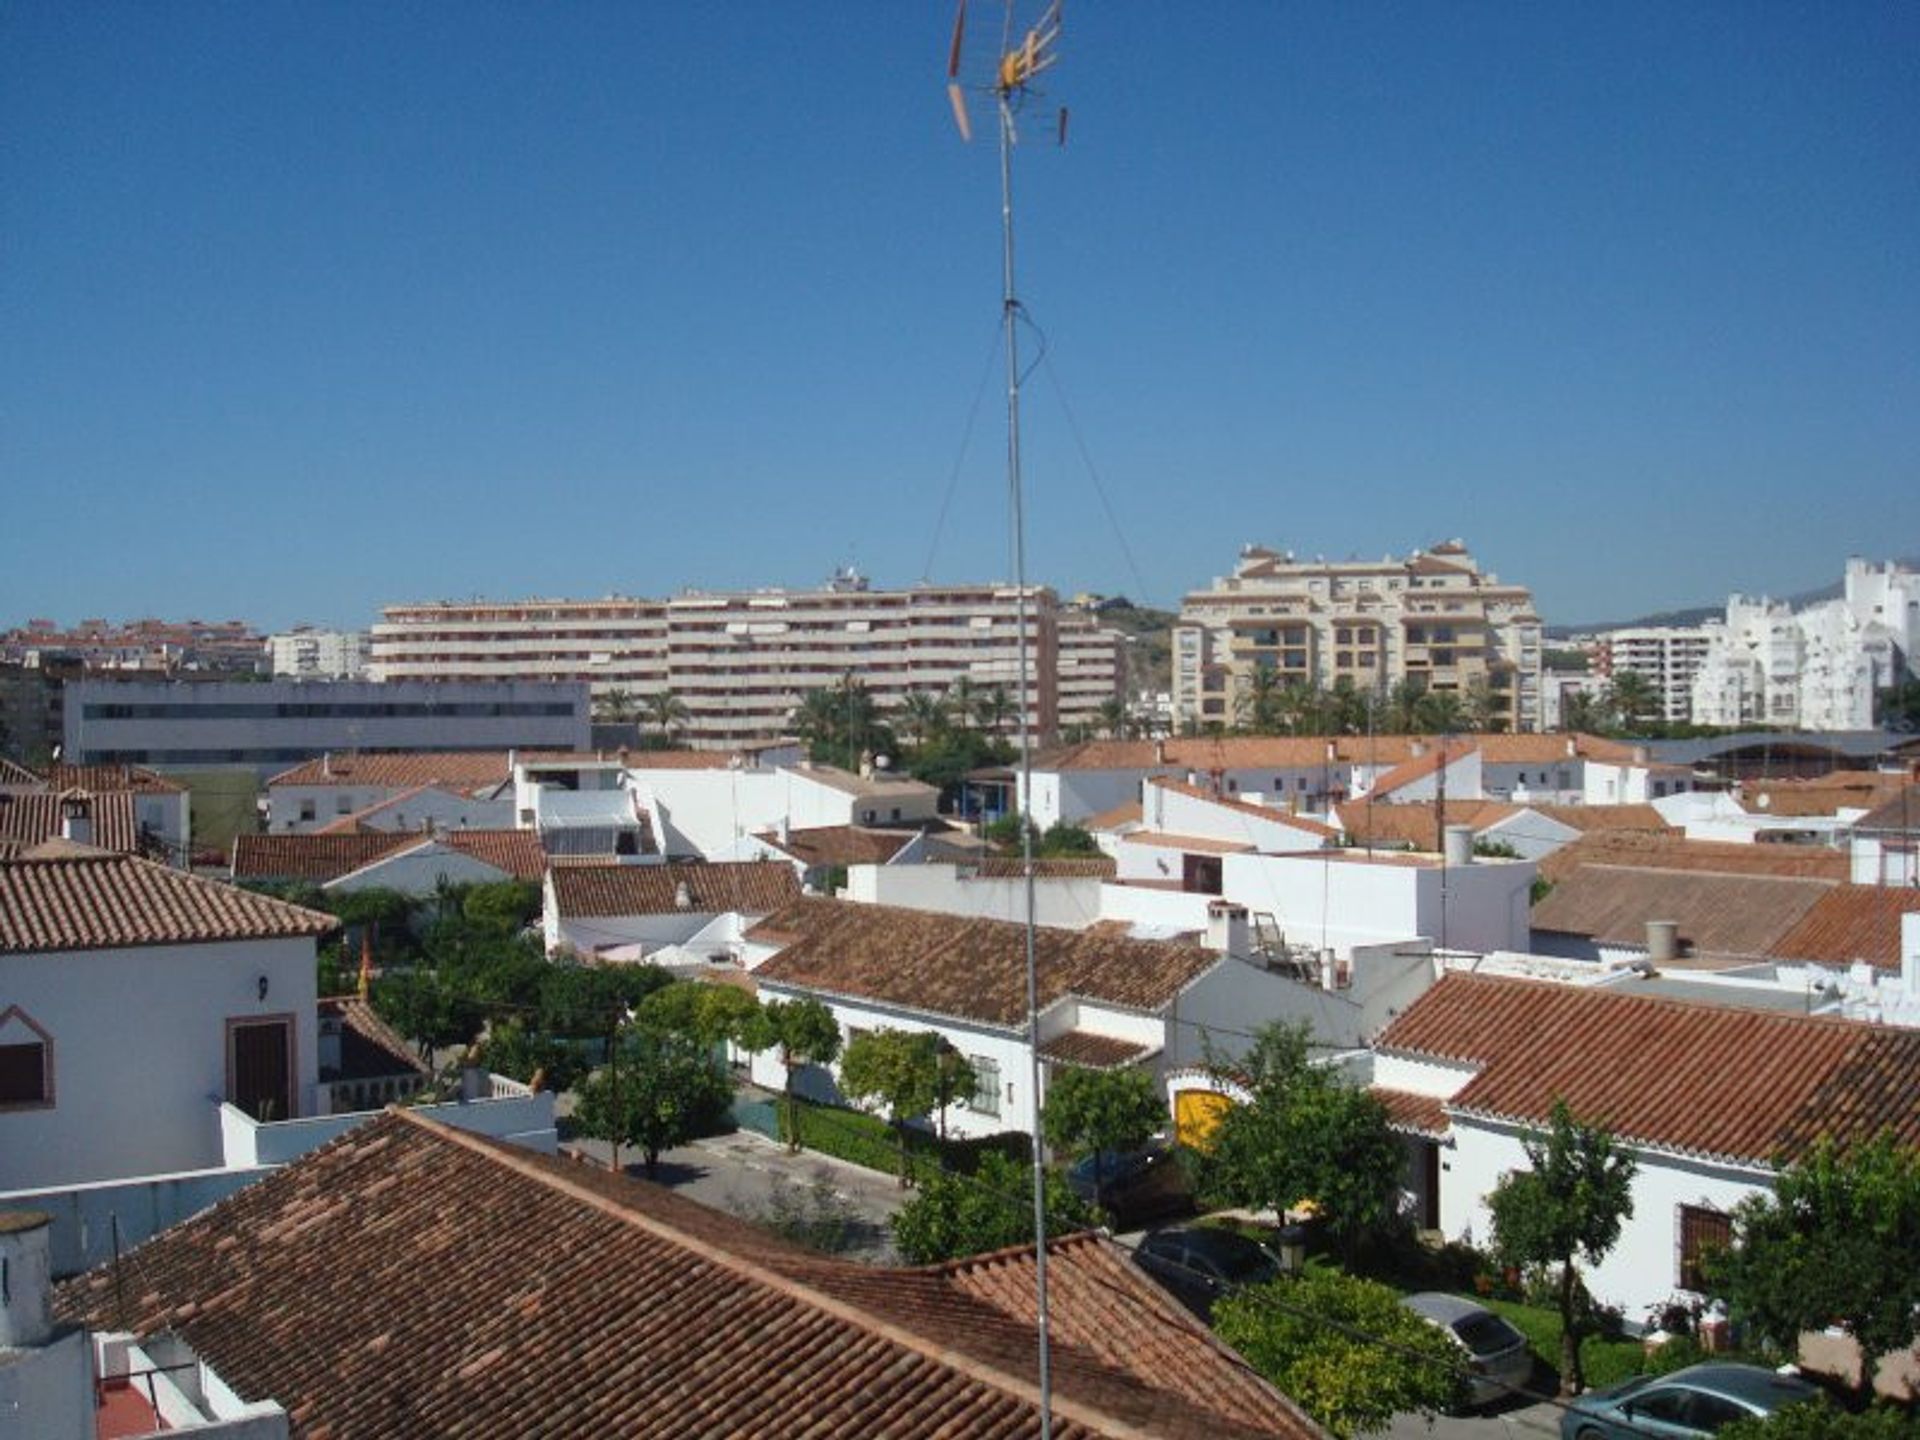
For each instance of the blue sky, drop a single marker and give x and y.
(309, 308)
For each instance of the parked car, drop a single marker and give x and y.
(1695, 1401)
(1498, 1360)
(1135, 1186)
(1200, 1263)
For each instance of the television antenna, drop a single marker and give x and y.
(1020, 59)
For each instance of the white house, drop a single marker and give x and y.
(332, 787)
(1108, 997)
(1707, 1096)
(414, 864)
(1884, 844)
(133, 1000)
(1066, 892)
(704, 810)
(628, 912)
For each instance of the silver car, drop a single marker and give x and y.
(1695, 1401)
(1498, 1360)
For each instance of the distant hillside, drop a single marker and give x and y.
(1700, 614)
(1150, 653)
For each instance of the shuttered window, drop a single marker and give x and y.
(23, 1074)
(1702, 1232)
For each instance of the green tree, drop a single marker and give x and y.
(1306, 1134)
(660, 1091)
(1440, 712)
(1817, 1420)
(1067, 841)
(614, 708)
(709, 1015)
(506, 906)
(516, 1051)
(993, 707)
(903, 1073)
(1585, 713)
(1344, 1348)
(921, 716)
(1114, 722)
(1258, 703)
(1836, 1240)
(1630, 696)
(425, 1010)
(1101, 1111)
(807, 1034)
(955, 1215)
(1568, 1206)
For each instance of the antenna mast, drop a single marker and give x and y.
(1019, 62)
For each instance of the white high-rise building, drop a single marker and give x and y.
(1816, 669)
(304, 653)
(1668, 657)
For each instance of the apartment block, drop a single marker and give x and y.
(1092, 669)
(740, 661)
(305, 653)
(1434, 617)
(1667, 657)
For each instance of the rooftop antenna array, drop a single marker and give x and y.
(1021, 57)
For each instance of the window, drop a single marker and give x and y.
(342, 805)
(1702, 1231)
(306, 810)
(26, 1062)
(986, 1084)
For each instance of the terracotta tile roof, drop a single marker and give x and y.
(679, 759)
(1825, 795)
(1717, 914)
(31, 817)
(1705, 1079)
(70, 897)
(461, 770)
(749, 887)
(1045, 867)
(15, 776)
(370, 1049)
(1673, 851)
(1411, 822)
(1420, 766)
(1101, 1302)
(316, 857)
(518, 852)
(327, 1286)
(1898, 812)
(967, 969)
(1411, 1112)
(112, 777)
(1201, 844)
(1590, 819)
(841, 844)
(1128, 814)
(1093, 1052)
(1848, 923)
(1246, 807)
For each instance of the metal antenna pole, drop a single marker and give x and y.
(1010, 314)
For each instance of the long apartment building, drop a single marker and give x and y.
(1435, 617)
(740, 661)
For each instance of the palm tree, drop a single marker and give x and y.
(1631, 697)
(818, 720)
(1113, 718)
(963, 696)
(1584, 712)
(1259, 705)
(615, 707)
(667, 711)
(1439, 711)
(992, 707)
(922, 715)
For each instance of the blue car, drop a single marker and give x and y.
(1692, 1402)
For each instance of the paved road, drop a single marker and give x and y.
(748, 1175)
(1516, 1419)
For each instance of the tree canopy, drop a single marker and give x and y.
(1837, 1240)
(1306, 1135)
(1317, 1338)
(1568, 1206)
(1089, 1111)
(955, 1215)
(662, 1090)
(904, 1074)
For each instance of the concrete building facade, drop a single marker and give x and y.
(1667, 657)
(1433, 617)
(305, 653)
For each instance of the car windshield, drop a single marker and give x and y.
(1487, 1334)
(1113, 1165)
(1236, 1258)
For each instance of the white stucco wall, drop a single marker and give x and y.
(48, 1389)
(1640, 1271)
(1532, 835)
(420, 872)
(1058, 903)
(140, 1052)
(1177, 813)
(702, 811)
(1007, 1049)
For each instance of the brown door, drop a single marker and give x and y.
(1430, 1199)
(260, 1068)
(1200, 874)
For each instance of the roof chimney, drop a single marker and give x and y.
(1663, 941)
(76, 820)
(1159, 752)
(326, 764)
(1227, 929)
(26, 1279)
(682, 896)
(1910, 954)
(1458, 844)
(1416, 748)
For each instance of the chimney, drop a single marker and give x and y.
(26, 1279)
(1641, 755)
(1160, 752)
(1573, 747)
(76, 820)
(682, 896)
(1663, 941)
(1910, 955)
(326, 764)
(1457, 844)
(1227, 929)
(1416, 748)
(782, 828)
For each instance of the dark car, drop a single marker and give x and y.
(1134, 1186)
(1691, 1402)
(1200, 1263)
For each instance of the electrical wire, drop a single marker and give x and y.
(959, 460)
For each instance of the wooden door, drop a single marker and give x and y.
(260, 1068)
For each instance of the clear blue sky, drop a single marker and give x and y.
(306, 308)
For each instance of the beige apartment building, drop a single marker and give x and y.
(1434, 616)
(740, 661)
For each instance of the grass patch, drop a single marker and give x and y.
(1606, 1359)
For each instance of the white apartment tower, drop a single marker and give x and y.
(1433, 616)
(1667, 657)
(740, 661)
(1815, 669)
(304, 653)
